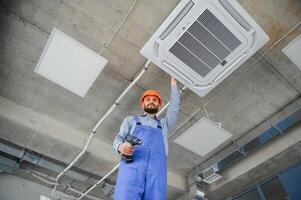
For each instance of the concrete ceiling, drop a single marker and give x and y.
(42, 116)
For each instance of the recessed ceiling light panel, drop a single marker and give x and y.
(292, 50)
(203, 137)
(70, 64)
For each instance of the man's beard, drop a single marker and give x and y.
(151, 110)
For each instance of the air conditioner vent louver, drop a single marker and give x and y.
(202, 55)
(209, 40)
(219, 30)
(176, 20)
(203, 41)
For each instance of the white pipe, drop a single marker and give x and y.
(116, 167)
(121, 24)
(44, 180)
(100, 121)
(77, 157)
(123, 94)
(163, 109)
(101, 180)
(69, 187)
(167, 104)
(41, 174)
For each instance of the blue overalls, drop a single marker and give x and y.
(146, 177)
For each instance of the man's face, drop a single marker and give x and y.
(151, 103)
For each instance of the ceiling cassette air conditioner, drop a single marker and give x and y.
(203, 41)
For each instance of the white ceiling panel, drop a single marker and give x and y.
(203, 137)
(69, 63)
(292, 51)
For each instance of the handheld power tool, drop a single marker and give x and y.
(133, 141)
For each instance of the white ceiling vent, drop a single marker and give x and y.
(210, 176)
(69, 63)
(292, 50)
(203, 41)
(203, 137)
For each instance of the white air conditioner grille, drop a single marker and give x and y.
(219, 30)
(206, 38)
(202, 42)
(190, 59)
(205, 44)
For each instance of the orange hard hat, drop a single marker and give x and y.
(151, 93)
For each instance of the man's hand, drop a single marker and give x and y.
(126, 148)
(173, 81)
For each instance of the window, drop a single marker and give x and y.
(273, 190)
(251, 195)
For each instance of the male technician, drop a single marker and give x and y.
(145, 178)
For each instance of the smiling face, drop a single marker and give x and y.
(151, 104)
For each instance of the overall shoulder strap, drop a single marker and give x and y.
(137, 120)
(159, 124)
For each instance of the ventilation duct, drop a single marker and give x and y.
(203, 41)
(197, 191)
(11, 155)
(265, 137)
